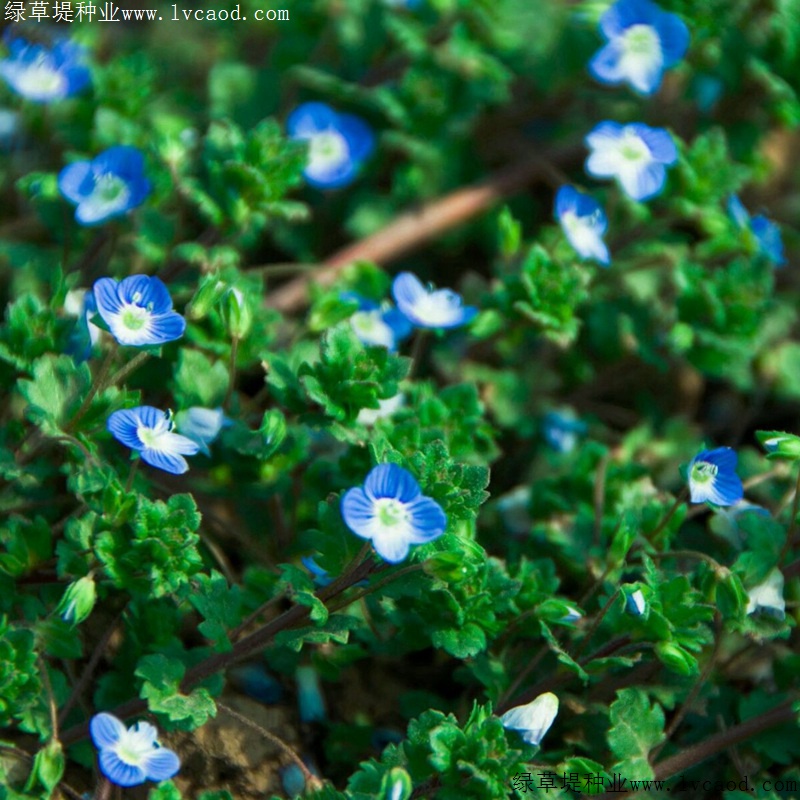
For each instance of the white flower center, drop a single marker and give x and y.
(326, 150)
(133, 317)
(40, 79)
(390, 512)
(633, 149)
(135, 745)
(153, 438)
(703, 472)
(641, 40)
(110, 192)
(437, 308)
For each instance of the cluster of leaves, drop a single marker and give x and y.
(685, 340)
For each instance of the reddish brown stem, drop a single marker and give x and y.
(413, 229)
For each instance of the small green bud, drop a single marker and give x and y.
(237, 314)
(396, 785)
(779, 444)
(677, 659)
(78, 601)
(206, 297)
(273, 429)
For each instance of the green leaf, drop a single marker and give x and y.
(635, 729)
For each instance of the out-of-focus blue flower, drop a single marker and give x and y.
(643, 41)
(635, 604)
(138, 310)
(131, 756)
(9, 127)
(636, 155)
(254, 681)
(767, 597)
(402, 3)
(80, 303)
(765, 232)
(514, 508)
(392, 512)
(713, 478)
(201, 425)
(369, 416)
(430, 308)
(534, 719)
(108, 186)
(292, 780)
(321, 576)
(310, 701)
(378, 325)
(561, 430)
(584, 222)
(149, 431)
(337, 143)
(43, 75)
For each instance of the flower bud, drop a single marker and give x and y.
(237, 314)
(396, 785)
(533, 720)
(779, 444)
(78, 601)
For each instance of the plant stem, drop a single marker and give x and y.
(787, 545)
(312, 782)
(231, 372)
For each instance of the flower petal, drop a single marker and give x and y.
(106, 296)
(391, 546)
(105, 730)
(167, 327)
(428, 520)
(123, 425)
(76, 181)
(169, 462)
(161, 764)
(118, 772)
(358, 512)
(643, 182)
(390, 480)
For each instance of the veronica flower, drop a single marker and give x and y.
(149, 431)
(561, 430)
(514, 508)
(108, 186)
(201, 425)
(131, 756)
(256, 682)
(643, 41)
(636, 155)
(391, 511)
(337, 143)
(43, 75)
(765, 232)
(80, 303)
(427, 307)
(9, 127)
(369, 416)
(584, 222)
(321, 576)
(767, 597)
(635, 604)
(533, 720)
(378, 325)
(138, 310)
(713, 478)
(572, 615)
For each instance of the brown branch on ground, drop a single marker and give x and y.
(415, 228)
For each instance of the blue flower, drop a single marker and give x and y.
(713, 478)
(201, 425)
(429, 308)
(149, 431)
(643, 41)
(310, 702)
(131, 756)
(109, 186)
(80, 303)
(635, 604)
(337, 143)
(378, 325)
(534, 719)
(386, 408)
(561, 430)
(766, 233)
(321, 576)
(43, 75)
(584, 222)
(138, 310)
(392, 511)
(256, 682)
(636, 155)
(767, 597)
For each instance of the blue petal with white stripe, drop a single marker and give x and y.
(765, 233)
(427, 307)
